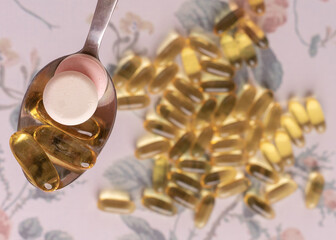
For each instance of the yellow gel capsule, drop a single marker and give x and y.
(282, 189)
(259, 206)
(231, 50)
(204, 209)
(314, 189)
(198, 166)
(263, 100)
(293, 130)
(230, 143)
(163, 76)
(64, 150)
(300, 114)
(253, 137)
(202, 142)
(284, 145)
(34, 161)
(115, 202)
(142, 76)
(203, 44)
(169, 48)
(270, 152)
(232, 128)
(160, 171)
(188, 90)
(257, 6)
(126, 67)
(213, 84)
(182, 145)
(217, 67)
(181, 196)
(181, 103)
(150, 146)
(232, 158)
(158, 202)
(185, 181)
(218, 175)
(262, 172)
(228, 18)
(170, 114)
(158, 126)
(205, 113)
(244, 102)
(255, 33)
(225, 107)
(271, 121)
(237, 186)
(316, 114)
(191, 64)
(135, 101)
(247, 50)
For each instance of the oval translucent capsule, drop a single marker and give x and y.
(293, 130)
(270, 152)
(159, 175)
(232, 158)
(150, 146)
(244, 100)
(205, 113)
(180, 102)
(181, 196)
(188, 90)
(213, 84)
(191, 64)
(199, 166)
(232, 127)
(135, 101)
(217, 67)
(231, 50)
(158, 126)
(204, 209)
(316, 114)
(263, 100)
(259, 205)
(247, 50)
(218, 175)
(282, 189)
(202, 43)
(238, 185)
(255, 33)
(262, 172)
(253, 136)
(300, 114)
(185, 181)
(234, 142)
(202, 141)
(314, 189)
(257, 6)
(170, 114)
(34, 161)
(181, 146)
(169, 48)
(228, 18)
(158, 202)
(163, 76)
(225, 107)
(271, 120)
(284, 145)
(115, 202)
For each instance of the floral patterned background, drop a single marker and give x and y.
(301, 59)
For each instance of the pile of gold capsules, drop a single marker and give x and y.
(208, 138)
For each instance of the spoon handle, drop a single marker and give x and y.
(101, 18)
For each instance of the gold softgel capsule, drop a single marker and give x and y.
(114, 201)
(259, 205)
(204, 209)
(314, 189)
(151, 145)
(158, 202)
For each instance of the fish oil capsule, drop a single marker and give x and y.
(262, 171)
(191, 64)
(181, 196)
(218, 175)
(314, 189)
(34, 161)
(142, 76)
(263, 100)
(232, 127)
(284, 145)
(237, 186)
(126, 67)
(150, 146)
(293, 130)
(115, 202)
(204, 209)
(180, 102)
(219, 67)
(205, 113)
(64, 150)
(202, 43)
(158, 202)
(170, 114)
(202, 142)
(259, 205)
(282, 189)
(257, 6)
(232, 158)
(199, 166)
(185, 181)
(230, 143)
(225, 107)
(271, 121)
(163, 76)
(253, 136)
(188, 90)
(270, 152)
(255, 33)
(300, 114)
(181, 146)
(160, 171)
(231, 50)
(244, 100)
(135, 101)
(169, 48)
(213, 84)
(316, 114)
(158, 126)
(247, 50)
(228, 18)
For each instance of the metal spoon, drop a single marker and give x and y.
(94, 132)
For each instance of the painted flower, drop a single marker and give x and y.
(8, 57)
(132, 23)
(4, 226)
(292, 234)
(310, 162)
(329, 197)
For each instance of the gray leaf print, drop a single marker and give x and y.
(30, 228)
(57, 235)
(130, 237)
(313, 48)
(14, 117)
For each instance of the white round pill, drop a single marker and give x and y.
(70, 98)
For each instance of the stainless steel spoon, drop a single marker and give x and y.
(94, 132)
